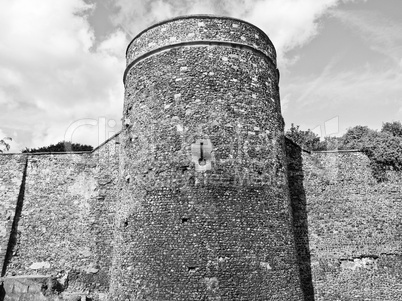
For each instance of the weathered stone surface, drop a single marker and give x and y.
(187, 29)
(11, 179)
(354, 230)
(30, 288)
(40, 265)
(66, 225)
(177, 219)
(141, 222)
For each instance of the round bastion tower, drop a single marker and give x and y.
(204, 210)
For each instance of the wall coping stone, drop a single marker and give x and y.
(200, 16)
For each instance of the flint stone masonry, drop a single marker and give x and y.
(25, 288)
(66, 226)
(135, 220)
(347, 227)
(178, 220)
(354, 231)
(11, 178)
(188, 29)
(353, 218)
(349, 222)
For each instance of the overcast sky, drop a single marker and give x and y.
(62, 62)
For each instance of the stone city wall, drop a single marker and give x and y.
(11, 189)
(65, 228)
(354, 226)
(139, 221)
(346, 224)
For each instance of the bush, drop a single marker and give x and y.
(306, 139)
(393, 128)
(385, 153)
(384, 148)
(61, 147)
(356, 137)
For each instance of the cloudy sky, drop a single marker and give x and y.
(62, 62)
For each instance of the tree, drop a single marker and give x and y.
(394, 128)
(383, 148)
(385, 153)
(5, 145)
(329, 143)
(357, 137)
(61, 147)
(306, 139)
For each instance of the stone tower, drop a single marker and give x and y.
(204, 211)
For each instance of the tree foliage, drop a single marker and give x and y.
(4, 145)
(61, 147)
(306, 139)
(394, 128)
(384, 148)
(356, 137)
(311, 141)
(329, 143)
(385, 152)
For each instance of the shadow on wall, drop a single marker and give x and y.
(299, 212)
(14, 230)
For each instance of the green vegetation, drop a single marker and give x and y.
(4, 145)
(306, 139)
(384, 148)
(61, 147)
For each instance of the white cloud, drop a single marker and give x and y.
(113, 45)
(364, 96)
(315, 83)
(52, 74)
(289, 23)
(383, 34)
(358, 85)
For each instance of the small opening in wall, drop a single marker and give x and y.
(128, 109)
(191, 180)
(191, 269)
(125, 223)
(184, 220)
(184, 168)
(202, 160)
(202, 154)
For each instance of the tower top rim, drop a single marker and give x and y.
(194, 16)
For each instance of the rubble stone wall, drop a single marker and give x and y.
(65, 229)
(53, 228)
(223, 233)
(12, 169)
(354, 227)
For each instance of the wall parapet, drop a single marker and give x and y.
(200, 28)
